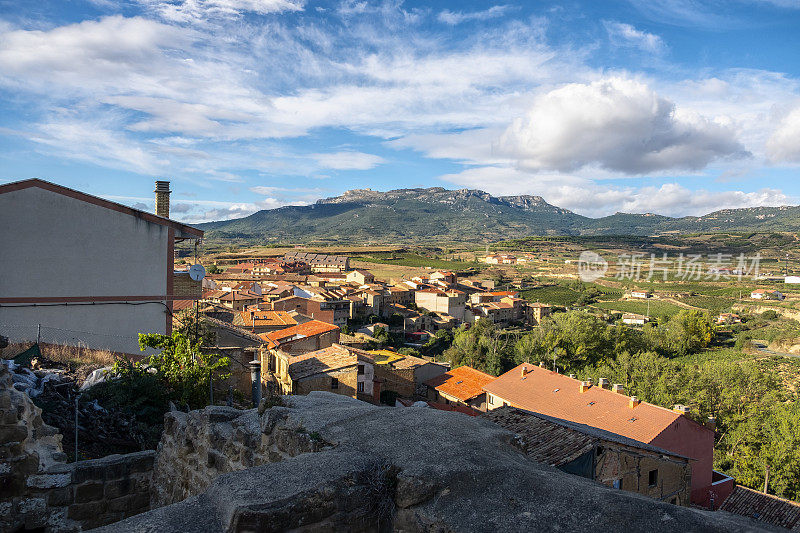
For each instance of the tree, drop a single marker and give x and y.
(482, 346)
(213, 269)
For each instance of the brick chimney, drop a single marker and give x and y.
(604, 383)
(584, 386)
(633, 402)
(711, 423)
(618, 388)
(162, 198)
(524, 370)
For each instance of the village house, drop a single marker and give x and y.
(334, 312)
(337, 369)
(460, 386)
(444, 277)
(404, 375)
(79, 267)
(640, 294)
(264, 321)
(320, 262)
(608, 458)
(273, 267)
(543, 391)
(535, 312)
(238, 300)
(302, 338)
(728, 318)
(360, 276)
(633, 319)
(450, 302)
(766, 294)
(398, 295)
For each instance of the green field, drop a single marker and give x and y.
(714, 304)
(657, 308)
(552, 294)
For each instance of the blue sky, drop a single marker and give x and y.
(676, 107)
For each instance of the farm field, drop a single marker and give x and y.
(656, 307)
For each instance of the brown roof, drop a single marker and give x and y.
(547, 392)
(336, 357)
(239, 295)
(764, 507)
(463, 383)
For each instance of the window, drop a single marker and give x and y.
(652, 478)
(617, 484)
(334, 383)
(360, 386)
(491, 400)
(360, 370)
(599, 451)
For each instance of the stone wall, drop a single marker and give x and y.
(325, 462)
(40, 491)
(199, 446)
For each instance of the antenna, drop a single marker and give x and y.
(197, 272)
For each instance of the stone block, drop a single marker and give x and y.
(12, 433)
(84, 511)
(141, 461)
(5, 399)
(60, 497)
(121, 504)
(89, 471)
(49, 481)
(118, 487)
(89, 492)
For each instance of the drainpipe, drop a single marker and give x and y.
(255, 378)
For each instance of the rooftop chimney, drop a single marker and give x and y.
(618, 388)
(162, 198)
(524, 370)
(634, 401)
(682, 409)
(711, 423)
(584, 386)
(541, 364)
(604, 383)
(572, 376)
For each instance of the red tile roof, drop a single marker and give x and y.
(463, 383)
(547, 392)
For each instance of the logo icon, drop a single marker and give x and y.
(591, 266)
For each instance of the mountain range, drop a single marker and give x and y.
(438, 214)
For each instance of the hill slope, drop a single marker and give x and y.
(469, 215)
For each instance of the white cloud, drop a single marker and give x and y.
(783, 146)
(622, 34)
(617, 124)
(595, 199)
(453, 18)
(348, 160)
(199, 10)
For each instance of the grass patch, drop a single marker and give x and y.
(552, 294)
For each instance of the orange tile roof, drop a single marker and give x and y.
(307, 329)
(463, 383)
(552, 394)
(267, 318)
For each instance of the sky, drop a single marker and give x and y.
(676, 107)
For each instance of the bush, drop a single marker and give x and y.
(769, 314)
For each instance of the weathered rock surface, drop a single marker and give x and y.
(338, 464)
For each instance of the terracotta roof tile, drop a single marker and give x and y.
(307, 329)
(463, 383)
(547, 392)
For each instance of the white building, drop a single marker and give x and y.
(79, 269)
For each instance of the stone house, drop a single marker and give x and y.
(610, 459)
(334, 312)
(633, 319)
(549, 393)
(450, 302)
(404, 375)
(238, 300)
(360, 276)
(535, 312)
(337, 369)
(460, 386)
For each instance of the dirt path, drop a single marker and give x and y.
(682, 304)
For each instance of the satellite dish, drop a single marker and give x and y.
(197, 272)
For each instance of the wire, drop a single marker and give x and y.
(90, 303)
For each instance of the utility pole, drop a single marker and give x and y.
(38, 333)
